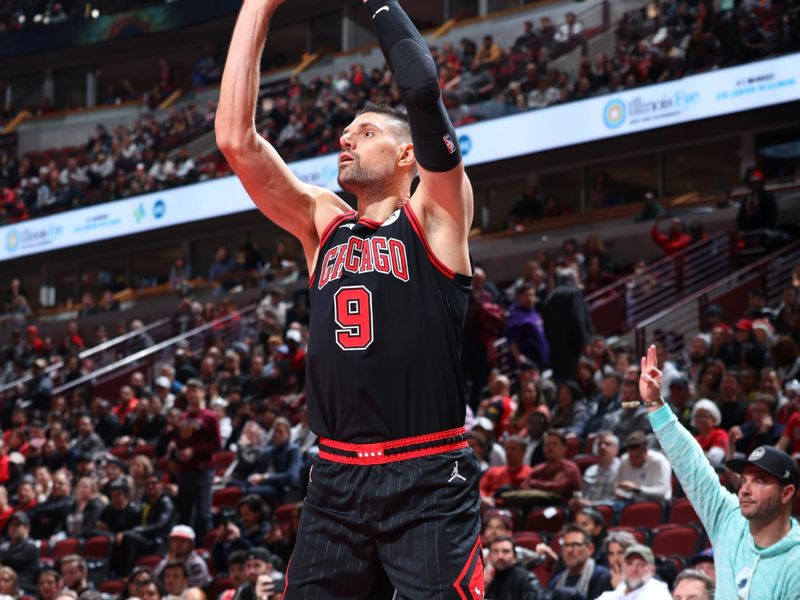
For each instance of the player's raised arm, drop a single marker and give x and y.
(444, 188)
(303, 210)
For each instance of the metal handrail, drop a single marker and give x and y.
(89, 352)
(635, 297)
(153, 351)
(781, 262)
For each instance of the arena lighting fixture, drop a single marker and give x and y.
(95, 13)
(38, 18)
(21, 20)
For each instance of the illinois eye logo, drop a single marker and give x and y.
(614, 113)
(12, 240)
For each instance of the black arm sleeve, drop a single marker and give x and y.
(435, 141)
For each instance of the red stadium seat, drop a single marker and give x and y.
(150, 561)
(588, 447)
(284, 512)
(584, 462)
(682, 512)
(65, 547)
(220, 461)
(545, 520)
(226, 497)
(683, 540)
(97, 547)
(144, 450)
(607, 512)
(112, 588)
(527, 539)
(122, 452)
(641, 514)
(573, 446)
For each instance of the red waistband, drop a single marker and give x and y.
(379, 453)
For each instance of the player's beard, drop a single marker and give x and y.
(355, 177)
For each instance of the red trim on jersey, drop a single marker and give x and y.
(369, 222)
(286, 576)
(377, 457)
(326, 233)
(477, 578)
(334, 222)
(440, 266)
(399, 443)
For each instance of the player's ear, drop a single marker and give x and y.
(406, 156)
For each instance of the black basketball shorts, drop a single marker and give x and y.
(401, 515)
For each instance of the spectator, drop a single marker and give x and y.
(279, 465)
(617, 542)
(181, 549)
(624, 421)
(651, 209)
(525, 328)
(737, 528)
(706, 418)
(50, 516)
(151, 531)
(567, 325)
(87, 441)
(600, 479)
(638, 569)
(605, 401)
(732, 405)
(489, 54)
(50, 583)
(593, 522)
(570, 414)
(704, 562)
(692, 584)
(677, 239)
(568, 36)
(512, 475)
(18, 551)
(176, 579)
(121, 515)
(581, 577)
(506, 579)
(558, 476)
(85, 509)
(643, 474)
(9, 584)
(258, 568)
(195, 440)
(75, 573)
(760, 429)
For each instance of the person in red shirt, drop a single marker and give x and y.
(677, 239)
(126, 404)
(195, 440)
(556, 474)
(705, 419)
(509, 476)
(26, 496)
(790, 440)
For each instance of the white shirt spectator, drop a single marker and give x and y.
(567, 31)
(654, 477)
(162, 170)
(652, 590)
(186, 167)
(103, 167)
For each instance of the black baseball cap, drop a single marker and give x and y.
(259, 554)
(773, 461)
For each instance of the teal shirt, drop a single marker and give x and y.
(744, 571)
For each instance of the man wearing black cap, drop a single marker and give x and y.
(20, 552)
(258, 569)
(756, 541)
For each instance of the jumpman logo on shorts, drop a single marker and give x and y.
(455, 474)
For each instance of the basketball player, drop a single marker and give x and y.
(393, 499)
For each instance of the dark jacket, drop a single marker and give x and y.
(121, 520)
(23, 557)
(285, 462)
(49, 516)
(514, 584)
(84, 524)
(159, 520)
(568, 329)
(600, 582)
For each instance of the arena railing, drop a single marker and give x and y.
(616, 308)
(223, 331)
(100, 355)
(676, 324)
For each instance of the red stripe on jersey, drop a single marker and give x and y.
(332, 225)
(440, 266)
(475, 593)
(326, 233)
(398, 443)
(369, 222)
(375, 458)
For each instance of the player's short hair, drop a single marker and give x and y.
(403, 128)
(697, 575)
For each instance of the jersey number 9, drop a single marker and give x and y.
(352, 309)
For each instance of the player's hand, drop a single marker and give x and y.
(650, 381)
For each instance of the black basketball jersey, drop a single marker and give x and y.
(386, 323)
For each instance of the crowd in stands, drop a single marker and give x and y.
(305, 119)
(112, 164)
(130, 472)
(20, 14)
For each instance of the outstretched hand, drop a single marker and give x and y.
(650, 381)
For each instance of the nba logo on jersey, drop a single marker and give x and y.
(448, 141)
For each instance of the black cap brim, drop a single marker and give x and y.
(738, 465)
